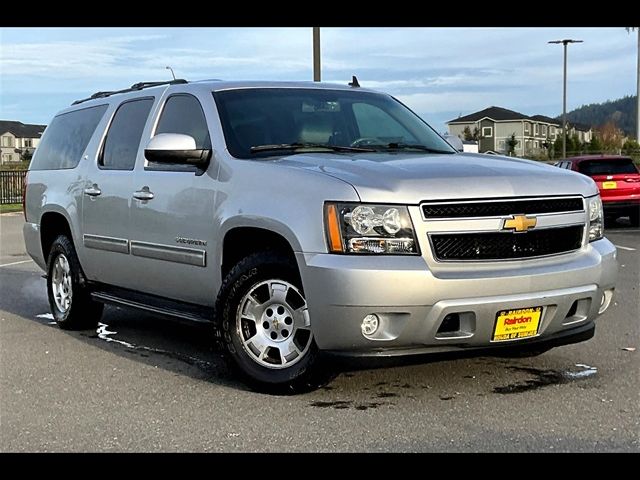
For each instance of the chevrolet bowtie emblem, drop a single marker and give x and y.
(519, 223)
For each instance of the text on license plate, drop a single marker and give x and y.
(518, 323)
(609, 185)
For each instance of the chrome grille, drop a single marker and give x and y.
(483, 208)
(506, 245)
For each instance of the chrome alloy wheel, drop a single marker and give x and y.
(273, 324)
(61, 284)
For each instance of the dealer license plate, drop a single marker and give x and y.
(517, 323)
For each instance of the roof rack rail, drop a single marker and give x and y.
(132, 88)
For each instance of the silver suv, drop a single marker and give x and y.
(301, 218)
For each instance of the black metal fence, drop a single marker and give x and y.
(11, 186)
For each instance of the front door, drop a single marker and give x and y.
(107, 197)
(172, 214)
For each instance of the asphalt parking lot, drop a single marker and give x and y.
(141, 383)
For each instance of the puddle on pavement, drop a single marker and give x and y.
(348, 404)
(543, 378)
(386, 395)
(47, 316)
(103, 333)
(540, 377)
(339, 404)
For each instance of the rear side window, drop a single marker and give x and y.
(123, 138)
(67, 138)
(607, 167)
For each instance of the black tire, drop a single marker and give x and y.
(82, 313)
(304, 375)
(634, 217)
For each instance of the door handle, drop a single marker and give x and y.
(93, 190)
(143, 194)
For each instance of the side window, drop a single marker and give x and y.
(374, 122)
(183, 114)
(123, 138)
(66, 139)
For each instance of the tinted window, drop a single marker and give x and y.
(183, 114)
(376, 123)
(274, 116)
(607, 167)
(123, 138)
(66, 139)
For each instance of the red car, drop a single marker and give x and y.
(617, 178)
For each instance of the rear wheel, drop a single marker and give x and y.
(69, 300)
(264, 327)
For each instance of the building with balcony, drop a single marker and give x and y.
(495, 126)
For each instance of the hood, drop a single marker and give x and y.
(411, 178)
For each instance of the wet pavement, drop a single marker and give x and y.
(141, 383)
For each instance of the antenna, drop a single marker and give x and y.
(354, 82)
(172, 74)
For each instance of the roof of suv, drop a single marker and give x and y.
(213, 85)
(217, 85)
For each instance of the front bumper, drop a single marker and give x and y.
(412, 300)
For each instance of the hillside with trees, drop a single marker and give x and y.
(621, 113)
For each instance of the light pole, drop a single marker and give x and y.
(565, 42)
(316, 54)
(172, 74)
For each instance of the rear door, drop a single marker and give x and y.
(108, 189)
(617, 178)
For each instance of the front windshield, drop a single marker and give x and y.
(260, 122)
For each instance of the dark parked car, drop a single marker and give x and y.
(617, 178)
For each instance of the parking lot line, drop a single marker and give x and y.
(625, 248)
(15, 263)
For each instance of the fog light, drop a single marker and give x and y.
(370, 324)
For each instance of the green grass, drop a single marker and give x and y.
(11, 207)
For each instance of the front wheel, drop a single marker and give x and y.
(264, 325)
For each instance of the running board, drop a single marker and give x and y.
(151, 303)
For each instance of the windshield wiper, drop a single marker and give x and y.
(298, 146)
(412, 146)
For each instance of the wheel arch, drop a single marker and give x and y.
(52, 224)
(243, 239)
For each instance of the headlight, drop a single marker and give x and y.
(358, 228)
(596, 221)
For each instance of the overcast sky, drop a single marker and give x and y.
(440, 73)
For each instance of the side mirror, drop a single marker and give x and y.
(176, 148)
(455, 142)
